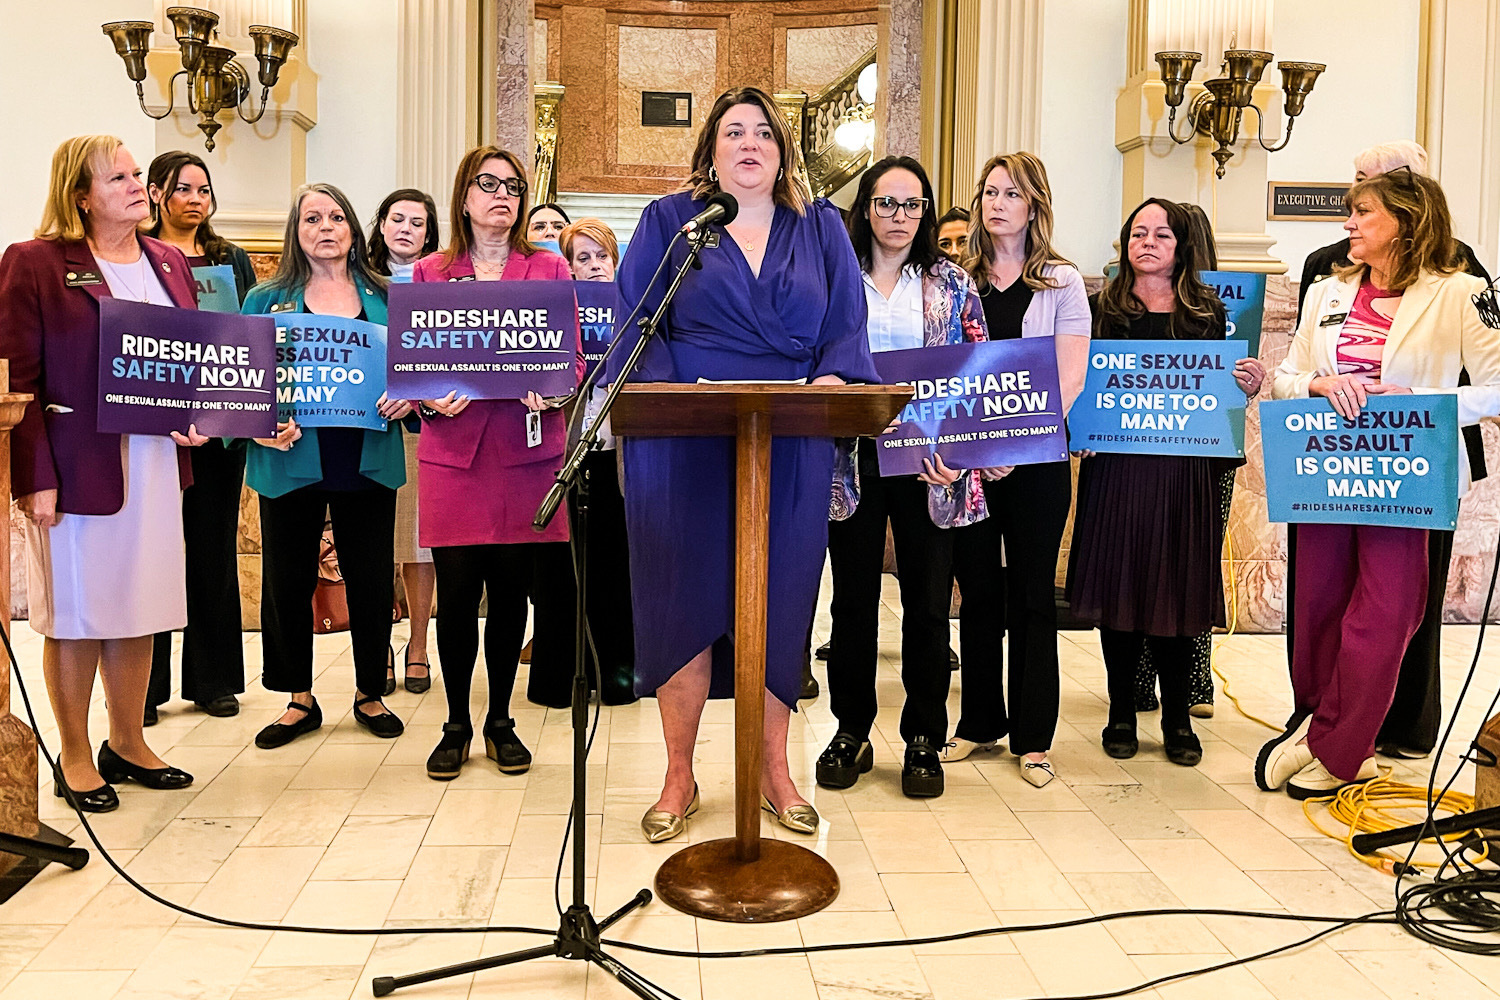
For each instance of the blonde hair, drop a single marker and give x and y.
(1387, 156)
(73, 168)
(1030, 178)
(1424, 227)
(792, 189)
(594, 229)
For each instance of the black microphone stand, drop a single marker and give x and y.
(578, 934)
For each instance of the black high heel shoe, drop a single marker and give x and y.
(116, 768)
(100, 800)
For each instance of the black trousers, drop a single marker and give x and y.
(924, 559)
(610, 619)
(1416, 714)
(1028, 512)
(213, 652)
(291, 529)
(1173, 657)
(505, 574)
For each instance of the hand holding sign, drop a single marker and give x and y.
(192, 439)
(1345, 392)
(287, 432)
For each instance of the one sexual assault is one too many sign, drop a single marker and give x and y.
(1161, 397)
(161, 369)
(975, 405)
(1395, 464)
(1244, 298)
(598, 312)
(330, 371)
(484, 340)
(216, 288)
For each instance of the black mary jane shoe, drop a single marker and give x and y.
(278, 735)
(448, 757)
(415, 685)
(824, 651)
(385, 725)
(390, 672)
(922, 772)
(151, 716)
(845, 759)
(502, 746)
(1120, 741)
(99, 800)
(1182, 747)
(115, 768)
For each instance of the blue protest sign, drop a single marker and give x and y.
(330, 371)
(1244, 298)
(598, 311)
(483, 339)
(1161, 397)
(161, 369)
(1396, 464)
(976, 405)
(216, 288)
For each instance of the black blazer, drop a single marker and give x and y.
(1322, 262)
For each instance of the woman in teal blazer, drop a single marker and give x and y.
(350, 474)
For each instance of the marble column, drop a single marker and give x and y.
(997, 86)
(898, 111)
(514, 106)
(437, 105)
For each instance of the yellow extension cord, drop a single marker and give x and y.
(1372, 807)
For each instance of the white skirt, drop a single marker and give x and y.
(121, 575)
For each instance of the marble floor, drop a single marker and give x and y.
(344, 829)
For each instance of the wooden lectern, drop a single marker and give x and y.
(18, 777)
(745, 879)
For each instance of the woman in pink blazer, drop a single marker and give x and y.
(481, 483)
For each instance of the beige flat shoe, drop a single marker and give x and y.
(659, 825)
(799, 819)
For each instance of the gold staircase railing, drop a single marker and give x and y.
(816, 120)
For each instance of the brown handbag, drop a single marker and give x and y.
(330, 604)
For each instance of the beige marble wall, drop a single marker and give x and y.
(539, 51)
(674, 59)
(815, 56)
(900, 102)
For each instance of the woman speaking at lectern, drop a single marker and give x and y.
(779, 298)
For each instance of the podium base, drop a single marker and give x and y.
(709, 880)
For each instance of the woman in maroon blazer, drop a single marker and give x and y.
(481, 483)
(104, 543)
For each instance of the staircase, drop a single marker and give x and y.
(618, 211)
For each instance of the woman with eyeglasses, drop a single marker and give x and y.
(1027, 290)
(480, 484)
(545, 223)
(1400, 319)
(914, 298)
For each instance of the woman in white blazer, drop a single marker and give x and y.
(1400, 319)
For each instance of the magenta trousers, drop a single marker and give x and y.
(1361, 593)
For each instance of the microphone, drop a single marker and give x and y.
(721, 208)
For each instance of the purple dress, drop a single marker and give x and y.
(803, 317)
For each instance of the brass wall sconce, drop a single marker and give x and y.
(1217, 111)
(215, 82)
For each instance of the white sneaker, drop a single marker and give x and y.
(1283, 757)
(1037, 772)
(958, 748)
(1315, 781)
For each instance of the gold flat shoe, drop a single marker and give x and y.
(799, 819)
(659, 825)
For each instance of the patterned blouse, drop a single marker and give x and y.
(1362, 339)
(951, 314)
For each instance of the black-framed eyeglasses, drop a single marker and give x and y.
(885, 207)
(489, 184)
